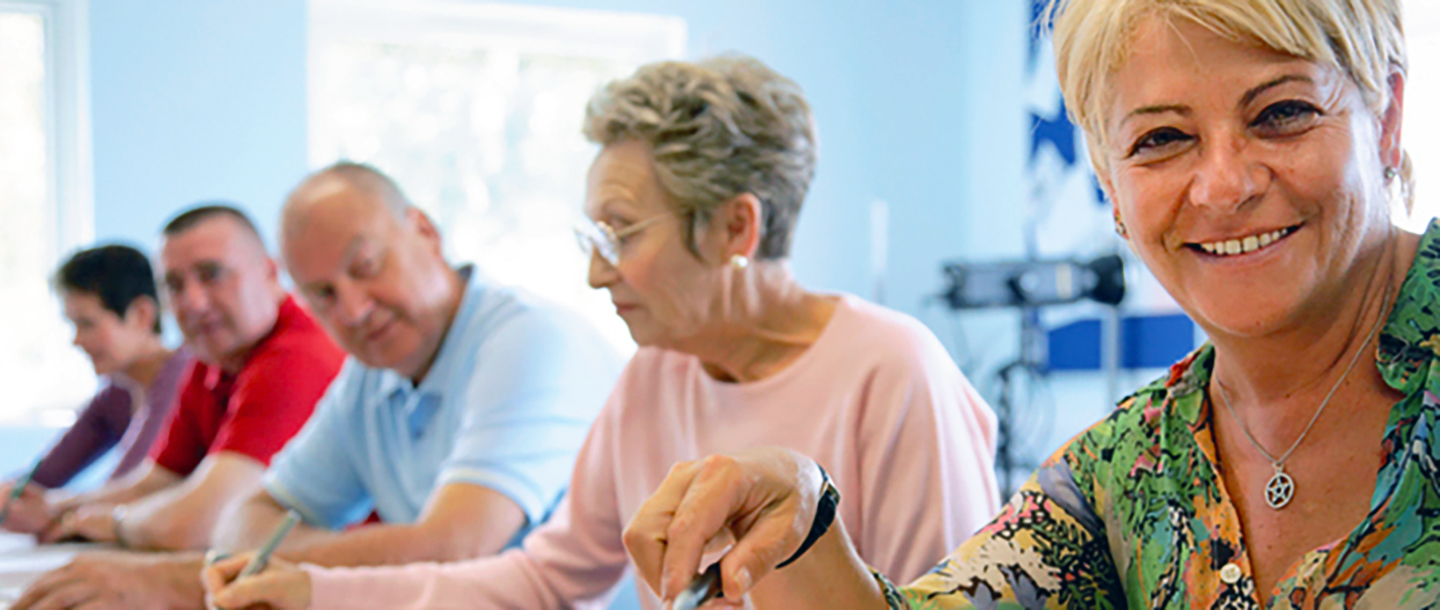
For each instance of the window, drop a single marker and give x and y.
(1422, 92)
(44, 201)
(475, 110)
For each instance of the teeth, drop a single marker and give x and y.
(1244, 245)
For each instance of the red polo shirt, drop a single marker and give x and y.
(253, 412)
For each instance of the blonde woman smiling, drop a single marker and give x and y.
(1252, 150)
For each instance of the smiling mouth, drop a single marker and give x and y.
(377, 333)
(1243, 245)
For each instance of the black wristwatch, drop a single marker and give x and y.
(824, 515)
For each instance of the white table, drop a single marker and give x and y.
(22, 561)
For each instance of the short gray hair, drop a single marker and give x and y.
(718, 128)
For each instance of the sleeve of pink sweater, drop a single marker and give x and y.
(926, 444)
(576, 555)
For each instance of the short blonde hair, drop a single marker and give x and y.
(718, 128)
(1364, 39)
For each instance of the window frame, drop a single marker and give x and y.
(67, 120)
(69, 195)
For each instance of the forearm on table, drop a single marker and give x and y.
(460, 521)
(829, 576)
(167, 520)
(383, 544)
(140, 483)
(253, 520)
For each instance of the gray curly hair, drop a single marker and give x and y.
(717, 128)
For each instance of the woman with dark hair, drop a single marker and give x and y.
(110, 297)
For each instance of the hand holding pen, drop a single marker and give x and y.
(257, 578)
(25, 509)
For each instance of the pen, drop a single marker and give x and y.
(704, 588)
(262, 557)
(18, 490)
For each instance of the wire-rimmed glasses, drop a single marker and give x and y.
(598, 237)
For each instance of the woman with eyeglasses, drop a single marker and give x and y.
(694, 198)
(1253, 152)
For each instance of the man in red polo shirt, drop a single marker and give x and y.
(262, 364)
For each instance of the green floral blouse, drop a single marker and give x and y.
(1131, 513)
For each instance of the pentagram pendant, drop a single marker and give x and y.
(1280, 489)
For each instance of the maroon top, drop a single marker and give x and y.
(110, 421)
(253, 412)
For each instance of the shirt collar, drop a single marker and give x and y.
(284, 318)
(393, 385)
(1409, 342)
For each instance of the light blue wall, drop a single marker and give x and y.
(194, 100)
(917, 102)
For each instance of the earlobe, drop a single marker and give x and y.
(746, 224)
(143, 311)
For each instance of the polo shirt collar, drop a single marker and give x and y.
(284, 316)
(397, 390)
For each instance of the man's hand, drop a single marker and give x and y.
(281, 586)
(30, 513)
(117, 581)
(90, 523)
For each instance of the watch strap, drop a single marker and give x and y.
(825, 510)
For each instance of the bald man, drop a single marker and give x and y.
(458, 418)
(262, 364)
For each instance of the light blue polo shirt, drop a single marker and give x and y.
(506, 404)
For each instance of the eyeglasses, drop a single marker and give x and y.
(598, 237)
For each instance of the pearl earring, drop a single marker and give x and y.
(739, 261)
(1391, 173)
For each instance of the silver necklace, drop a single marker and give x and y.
(1280, 489)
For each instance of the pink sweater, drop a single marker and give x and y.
(876, 400)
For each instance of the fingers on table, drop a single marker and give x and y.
(215, 576)
(56, 590)
(266, 588)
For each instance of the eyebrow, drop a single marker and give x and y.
(1245, 100)
(1271, 84)
(608, 206)
(1157, 109)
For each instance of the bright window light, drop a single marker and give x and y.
(475, 109)
(39, 368)
(1422, 94)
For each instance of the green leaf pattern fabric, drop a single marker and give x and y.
(1130, 513)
